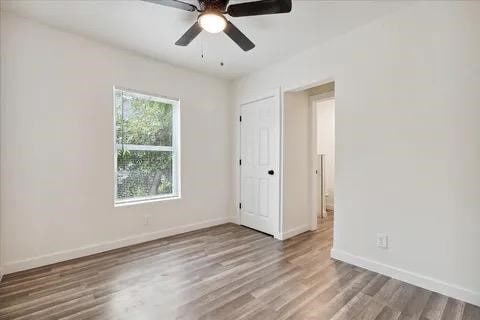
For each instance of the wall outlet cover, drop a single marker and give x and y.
(147, 219)
(382, 240)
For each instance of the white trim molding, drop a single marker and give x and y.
(1, 273)
(293, 232)
(60, 256)
(416, 279)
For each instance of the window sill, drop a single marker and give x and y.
(127, 203)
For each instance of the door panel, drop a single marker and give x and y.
(260, 142)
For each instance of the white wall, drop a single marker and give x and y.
(1, 99)
(57, 147)
(326, 144)
(407, 141)
(296, 164)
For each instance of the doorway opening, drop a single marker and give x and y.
(308, 188)
(323, 153)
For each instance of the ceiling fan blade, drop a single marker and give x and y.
(238, 37)
(188, 36)
(175, 4)
(256, 8)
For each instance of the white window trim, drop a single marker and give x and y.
(137, 147)
(175, 149)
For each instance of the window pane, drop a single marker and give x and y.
(143, 174)
(142, 121)
(146, 145)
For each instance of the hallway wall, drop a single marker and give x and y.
(326, 145)
(296, 164)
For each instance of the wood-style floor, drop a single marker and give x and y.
(224, 272)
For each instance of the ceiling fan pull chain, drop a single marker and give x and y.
(203, 46)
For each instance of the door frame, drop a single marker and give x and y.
(276, 94)
(313, 100)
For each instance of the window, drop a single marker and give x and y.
(146, 147)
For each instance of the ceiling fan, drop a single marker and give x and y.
(212, 19)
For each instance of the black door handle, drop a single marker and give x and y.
(271, 172)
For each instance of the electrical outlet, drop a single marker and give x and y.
(147, 219)
(382, 240)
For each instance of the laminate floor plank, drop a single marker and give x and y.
(435, 306)
(225, 272)
(471, 312)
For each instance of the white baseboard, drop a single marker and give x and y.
(105, 246)
(416, 279)
(293, 232)
(235, 219)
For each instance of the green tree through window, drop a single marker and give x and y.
(145, 145)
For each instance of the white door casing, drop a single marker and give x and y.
(260, 164)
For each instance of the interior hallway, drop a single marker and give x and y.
(223, 272)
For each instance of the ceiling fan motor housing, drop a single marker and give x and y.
(219, 6)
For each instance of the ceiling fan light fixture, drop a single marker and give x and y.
(212, 22)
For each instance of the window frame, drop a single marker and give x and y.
(176, 180)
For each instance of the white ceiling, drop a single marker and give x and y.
(151, 29)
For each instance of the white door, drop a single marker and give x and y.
(260, 164)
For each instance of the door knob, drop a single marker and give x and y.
(271, 172)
